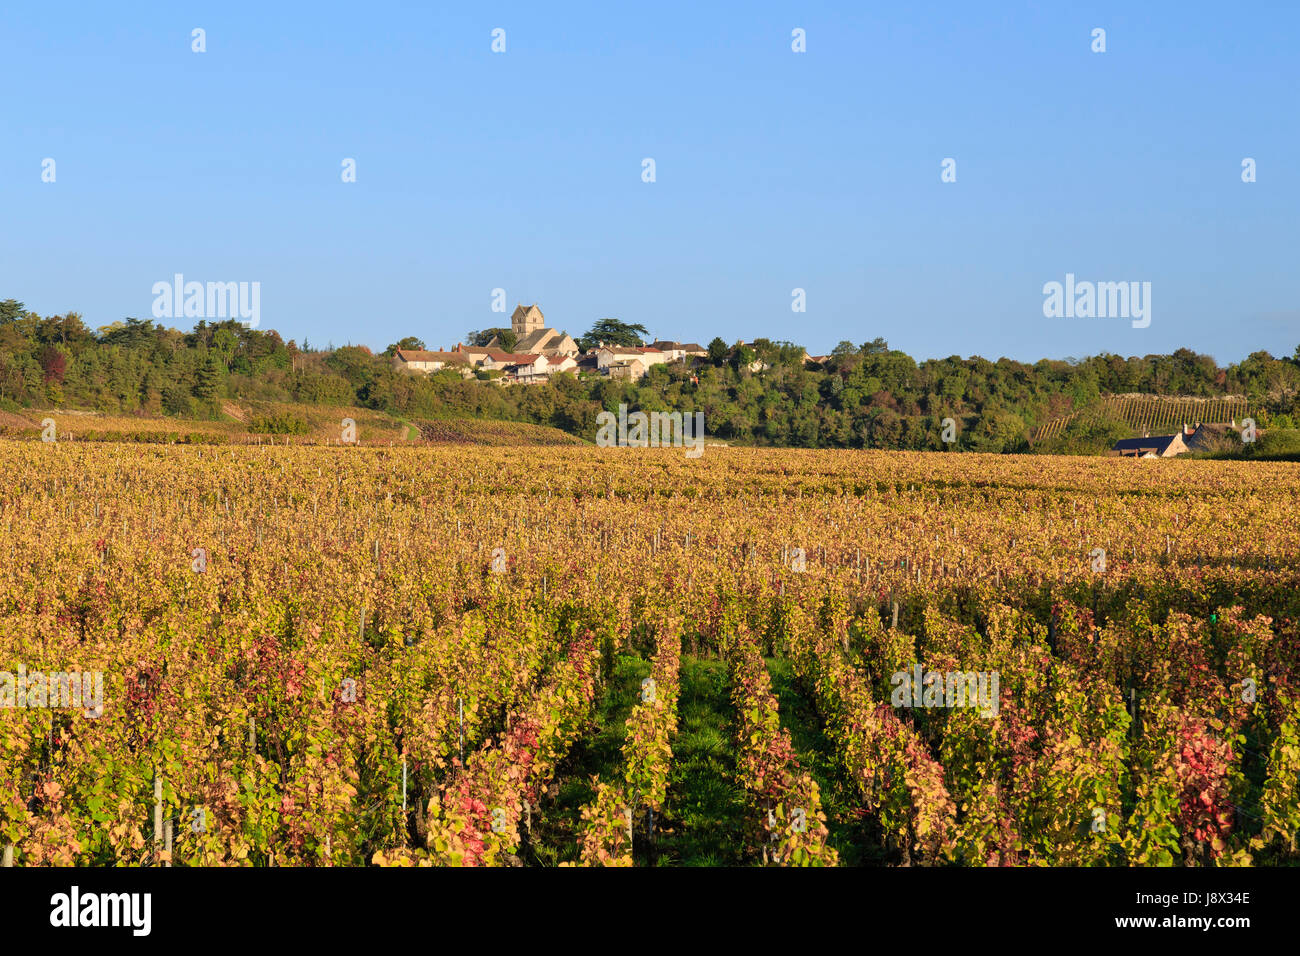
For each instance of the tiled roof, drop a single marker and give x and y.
(497, 355)
(630, 350)
(423, 355)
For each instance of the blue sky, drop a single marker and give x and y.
(775, 170)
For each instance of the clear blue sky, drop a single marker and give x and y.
(775, 170)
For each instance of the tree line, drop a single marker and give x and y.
(762, 392)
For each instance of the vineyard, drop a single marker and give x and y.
(259, 423)
(571, 656)
(1156, 414)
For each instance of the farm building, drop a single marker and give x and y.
(1152, 446)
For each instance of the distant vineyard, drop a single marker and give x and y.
(247, 423)
(277, 423)
(473, 431)
(1155, 413)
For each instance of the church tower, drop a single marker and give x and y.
(526, 320)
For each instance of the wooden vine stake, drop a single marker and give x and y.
(157, 812)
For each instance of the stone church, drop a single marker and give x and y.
(534, 338)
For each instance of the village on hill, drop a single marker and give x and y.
(540, 352)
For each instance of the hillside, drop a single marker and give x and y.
(469, 431)
(261, 422)
(226, 381)
(1152, 413)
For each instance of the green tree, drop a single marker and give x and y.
(613, 332)
(742, 357)
(410, 343)
(11, 310)
(718, 350)
(208, 380)
(998, 430)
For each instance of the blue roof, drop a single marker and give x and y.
(1156, 443)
